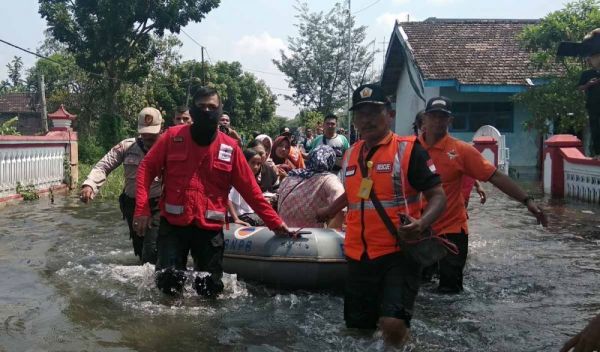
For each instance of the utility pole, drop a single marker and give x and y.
(349, 82)
(203, 69)
(43, 103)
(383, 43)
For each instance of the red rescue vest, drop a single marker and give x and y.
(196, 180)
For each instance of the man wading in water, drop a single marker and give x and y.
(383, 280)
(455, 159)
(199, 165)
(130, 153)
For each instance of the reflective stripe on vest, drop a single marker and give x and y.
(386, 204)
(391, 186)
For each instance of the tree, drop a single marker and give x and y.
(247, 100)
(14, 83)
(558, 101)
(113, 39)
(325, 59)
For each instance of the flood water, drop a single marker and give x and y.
(69, 282)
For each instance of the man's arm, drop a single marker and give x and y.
(512, 189)
(101, 170)
(326, 213)
(588, 340)
(150, 167)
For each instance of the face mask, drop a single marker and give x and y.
(205, 120)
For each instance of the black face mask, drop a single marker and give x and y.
(205, 124)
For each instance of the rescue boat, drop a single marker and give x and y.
(315, 260)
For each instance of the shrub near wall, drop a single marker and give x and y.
(114, 183)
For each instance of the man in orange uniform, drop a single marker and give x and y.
(199, 165)
(454, 159)
(383, 168)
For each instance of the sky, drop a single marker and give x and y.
(254, 32)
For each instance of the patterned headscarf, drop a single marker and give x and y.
(321, 159)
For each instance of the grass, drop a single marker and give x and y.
(113, 186)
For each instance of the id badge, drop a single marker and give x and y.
(365, 188)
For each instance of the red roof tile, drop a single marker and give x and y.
(474, 51)
(16, 102)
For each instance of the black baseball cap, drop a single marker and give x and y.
(368, 94)
(441, 104)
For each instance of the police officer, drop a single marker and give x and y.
(199, 165)
(130, 153)
(392, 171)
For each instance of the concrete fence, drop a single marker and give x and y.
(568, 172)
(46, 162)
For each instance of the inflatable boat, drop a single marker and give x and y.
(315, 260)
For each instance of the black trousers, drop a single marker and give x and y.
(143, 247)
(594, 132)
(175, 243)
(452, 266)
(382, 287)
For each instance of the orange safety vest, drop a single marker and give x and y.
(365, 231)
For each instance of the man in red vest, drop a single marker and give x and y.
(389, 172)
(198, 165)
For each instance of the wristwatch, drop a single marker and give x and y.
(526, 200)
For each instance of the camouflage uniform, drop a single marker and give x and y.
(129, 152)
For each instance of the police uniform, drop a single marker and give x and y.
(382, 280)
(197, 180)
(130, 153)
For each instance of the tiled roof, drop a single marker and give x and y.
(16, 102)
(476, 51)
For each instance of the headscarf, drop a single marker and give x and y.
(321, 159)
(278, 141)
(262, 137)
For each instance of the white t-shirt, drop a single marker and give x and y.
(239, 204)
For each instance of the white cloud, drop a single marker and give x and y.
(388, 19)
(441, 2)
(401, 2)
(263, 44)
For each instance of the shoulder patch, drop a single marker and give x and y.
(178, 139)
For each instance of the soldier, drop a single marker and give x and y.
(130, 153)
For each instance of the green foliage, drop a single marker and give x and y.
(326, 58)
(90, 150)
(113, 186)
(9, 127)
(14, 83)
(311, 119)
(558, 101)
(27, 192)
(247, 100)
(117, 41)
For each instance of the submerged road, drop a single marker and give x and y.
(69, 282)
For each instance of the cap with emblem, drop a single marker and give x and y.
(368, 94)
(441, 104)
(149, 121)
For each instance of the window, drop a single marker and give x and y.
(468, 117)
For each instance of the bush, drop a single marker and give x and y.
(90, 150)
(113, 186)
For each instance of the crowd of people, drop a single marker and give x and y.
(400, 199)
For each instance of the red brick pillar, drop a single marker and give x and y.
(488, 146)
(554, 169)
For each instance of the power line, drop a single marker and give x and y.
(366, 7)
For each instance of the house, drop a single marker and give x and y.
(477, 63)
(24, 106)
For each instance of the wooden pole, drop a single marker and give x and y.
(43, 103)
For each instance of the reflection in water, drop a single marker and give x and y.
(70, 282)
